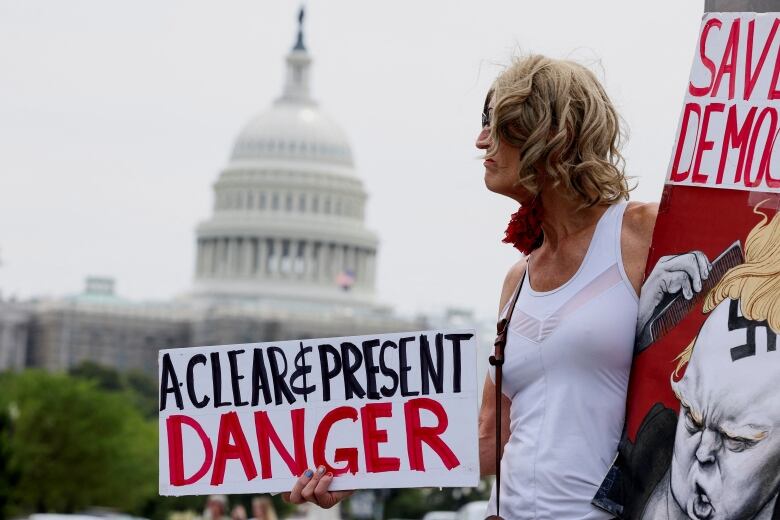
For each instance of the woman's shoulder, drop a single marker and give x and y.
(639, 220)
(511, 280)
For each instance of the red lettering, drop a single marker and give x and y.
(735, 137)
(763, 165)
(176, 450)
(230, 426)
(347, 455)
(417, 434)
(708, 63)
(751, 76)
(728, 64)
(372, 437)
(772, 182)
(774, 93)
(266, 434)
(704, 144)
(690, 108)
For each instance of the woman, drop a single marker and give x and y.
(551, 139)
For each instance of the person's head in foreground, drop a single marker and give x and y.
(726, 461)
(548, 124)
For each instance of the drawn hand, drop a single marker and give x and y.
(312, 487)
(672, 274)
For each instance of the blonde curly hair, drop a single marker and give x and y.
(559, 116)
(755, 283)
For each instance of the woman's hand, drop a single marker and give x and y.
(312, 487)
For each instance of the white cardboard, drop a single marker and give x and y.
(460, 434)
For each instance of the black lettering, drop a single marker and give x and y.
(456, 359)
(259, 378)
(371, 369)
(427, 373)
(388, 371)
(351, 384)
(235, 378)
(404, 367)
(327, 373)
(216, 380)
(169, 383)
(278, 376)
(197, 359)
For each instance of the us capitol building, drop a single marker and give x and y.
(284, 255)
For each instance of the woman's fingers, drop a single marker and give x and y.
(312, 487)
(295, 496)
(308, 489)
(327, 499)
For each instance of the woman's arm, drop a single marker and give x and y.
(487, 412)
(487, 427)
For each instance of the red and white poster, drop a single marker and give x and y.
(390, 410)
(702, 434)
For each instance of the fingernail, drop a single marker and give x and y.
(321, 470)
(308, 473)
(329, 474)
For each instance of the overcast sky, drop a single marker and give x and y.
(116, 118)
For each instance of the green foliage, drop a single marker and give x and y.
(68, 442)
(415, 502)
(67, 445)
(139, 388)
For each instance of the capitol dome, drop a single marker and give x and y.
(289, 208)
(290, 129)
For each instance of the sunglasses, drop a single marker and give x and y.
(486, 116)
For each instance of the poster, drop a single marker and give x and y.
(389, 410)
(702, 434)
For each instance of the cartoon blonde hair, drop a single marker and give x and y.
(755, 283)
(559, 116)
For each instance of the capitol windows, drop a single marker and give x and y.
(315, 204)
(275, 201)
(338, 207)
(250, 200)
(288, 202)
(262, 200)
(302, 203)
(326, 209)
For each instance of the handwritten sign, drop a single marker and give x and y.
(390, 410)
(730, 122)
(702, 429)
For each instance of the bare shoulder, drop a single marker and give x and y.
(511, 280)
(638, 224)
(639, 220)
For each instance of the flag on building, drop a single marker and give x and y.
(346, 279)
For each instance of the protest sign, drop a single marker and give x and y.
(388, 410)
(702, 434)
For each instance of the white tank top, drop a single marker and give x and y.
(567, 361)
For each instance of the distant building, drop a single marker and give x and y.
(285, 255)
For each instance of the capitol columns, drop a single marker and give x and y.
(232, 244)
(248, 257)
(262, 258)
(308, 260)
(276, 271)
(370, 267)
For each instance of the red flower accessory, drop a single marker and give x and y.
(525, 227)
